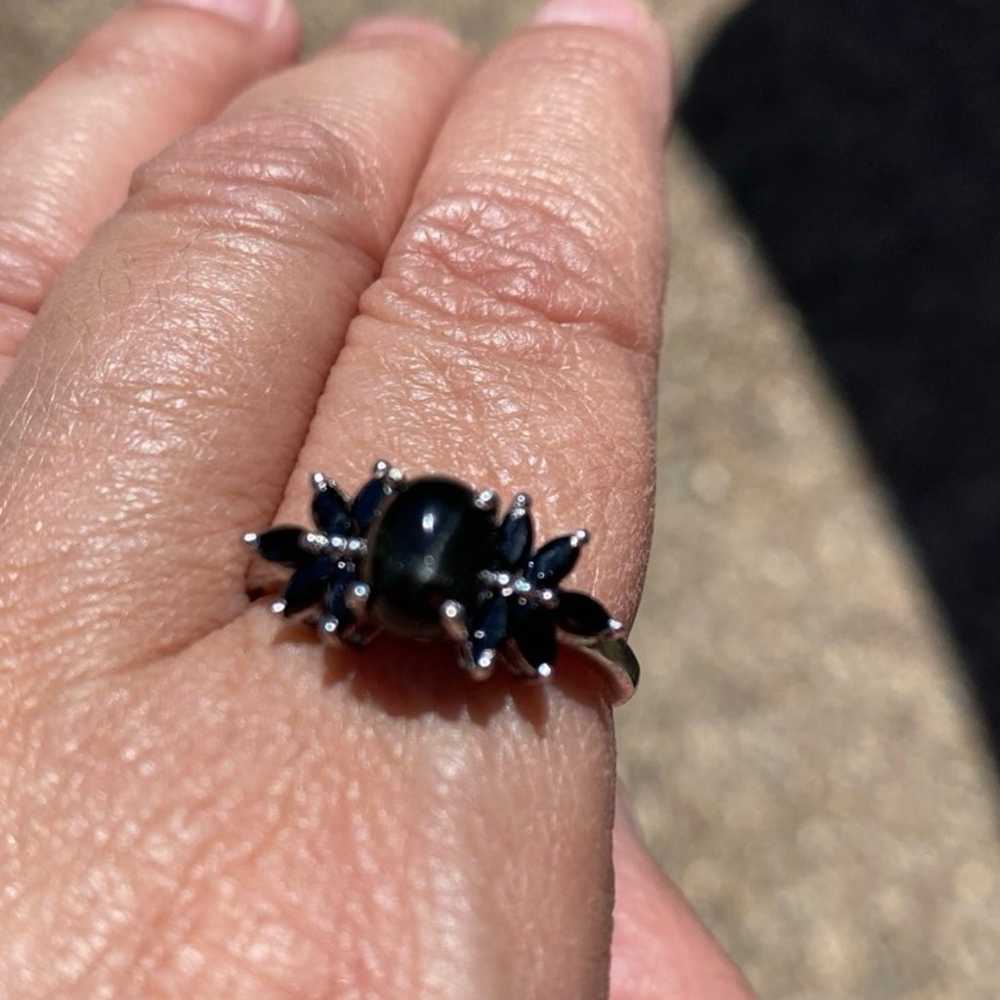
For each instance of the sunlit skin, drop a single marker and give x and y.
(393, 249)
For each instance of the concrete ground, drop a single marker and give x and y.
(802, 756)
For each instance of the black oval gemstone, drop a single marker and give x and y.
(428, 545)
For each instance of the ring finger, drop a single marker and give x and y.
(509, 341)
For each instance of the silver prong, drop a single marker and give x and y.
(328, 626)
(483, 666)
(357, 599)
(484, 663)
(278, 607)
(380, 469)
(580, 537)
(548, 598)
(396, 477)
(315, 542)
(453, 621)
(481, 669)
(487, 500)
(252, 539)
(521, 501)
(543, 671)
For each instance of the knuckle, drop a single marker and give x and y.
(597, 66)
(515, 251)
(279, 175)
(30, 258)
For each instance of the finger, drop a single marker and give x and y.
(166, 387)
(510, 341)
(66, 151)
(14, 326)
(660, 950)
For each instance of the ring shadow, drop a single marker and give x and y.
(860, 142)
(409, 679)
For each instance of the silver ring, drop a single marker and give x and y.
(432, 558)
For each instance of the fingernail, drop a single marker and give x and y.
(630, 17)
(623, 15)
(399, 24)
(263, 14)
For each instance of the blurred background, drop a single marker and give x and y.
(814, 756)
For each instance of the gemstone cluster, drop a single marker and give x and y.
(431, 558)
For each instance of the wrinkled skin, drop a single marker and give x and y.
(389, 250)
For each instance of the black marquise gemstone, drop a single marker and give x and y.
(489, 627)
(307, 585)
(330, 513)
(366, 504)
(282, 545)
(534, 631)
(581, 615)
(429, 544)
(335, 598)
(554, 560)
(515, 538)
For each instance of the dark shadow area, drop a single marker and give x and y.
(861, 141)
(412, 679)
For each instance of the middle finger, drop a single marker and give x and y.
(164, 391)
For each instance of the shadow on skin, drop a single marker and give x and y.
(412, 679)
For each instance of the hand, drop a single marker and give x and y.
(387, 250)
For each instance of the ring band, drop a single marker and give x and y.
(431, 558)
(617, 660)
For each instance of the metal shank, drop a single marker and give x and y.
(618, 663)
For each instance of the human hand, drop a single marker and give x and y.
(387, 250)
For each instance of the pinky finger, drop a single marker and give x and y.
(146, 76)
(660, 949)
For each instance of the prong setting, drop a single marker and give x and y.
(505, 601)
(319, 482)
(454, 621)
(393, 477)
(315, 542)
(329, 628)
(358, 596)
(487, 500)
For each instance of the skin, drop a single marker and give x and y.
(388, 251)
